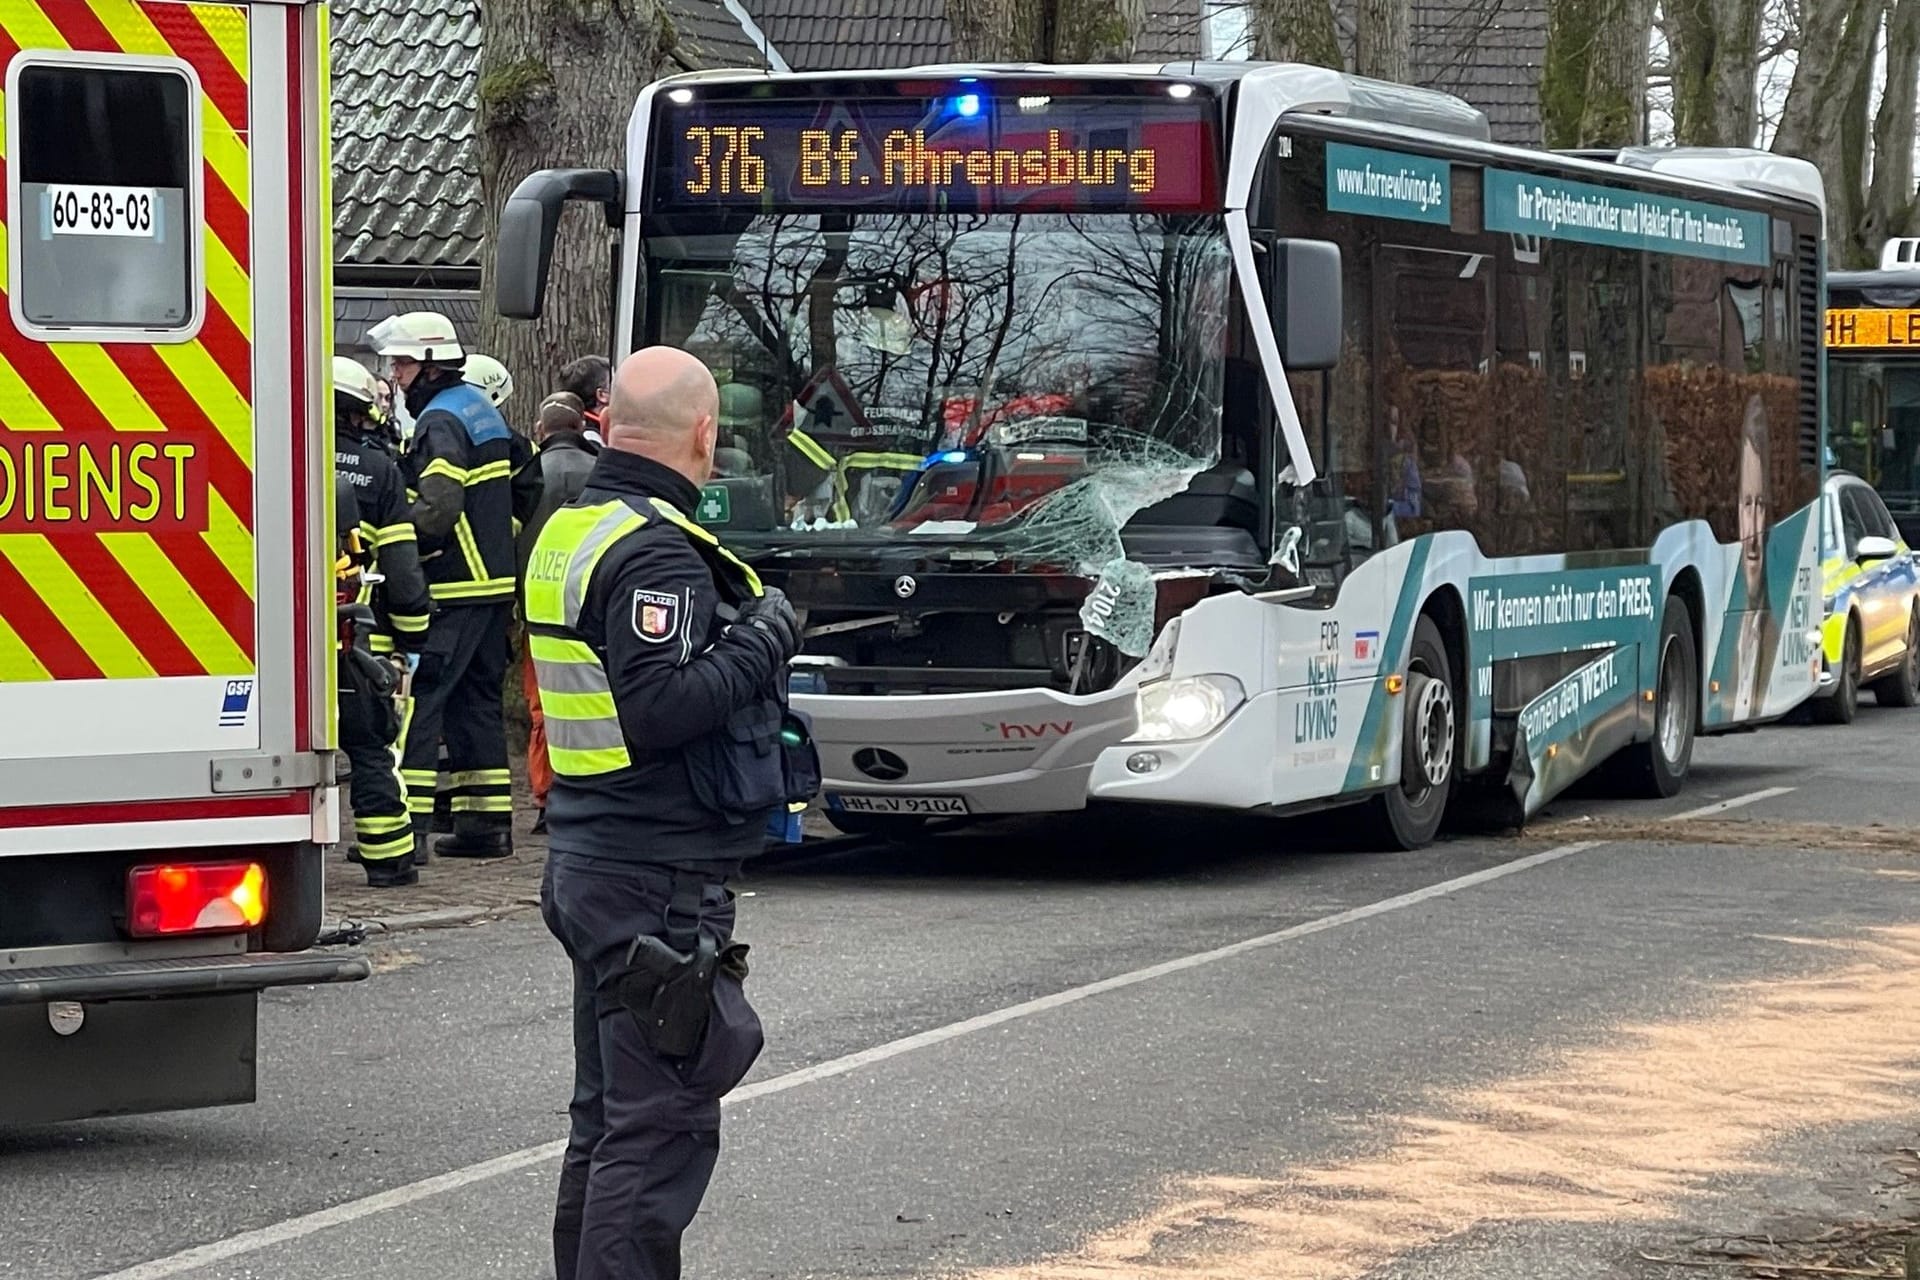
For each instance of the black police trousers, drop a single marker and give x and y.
(456, 694)
(645, 1129)
(380, 820)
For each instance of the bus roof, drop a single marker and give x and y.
(1412, 114)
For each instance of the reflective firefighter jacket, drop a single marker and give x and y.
(400, 602)
(461, 440)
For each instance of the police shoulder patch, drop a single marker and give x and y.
(656, 615)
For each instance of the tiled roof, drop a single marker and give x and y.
(1487, 51)
(406, 147)
(822, 35)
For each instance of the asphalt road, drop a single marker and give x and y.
(1504, 1056)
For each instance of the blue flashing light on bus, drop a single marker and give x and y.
(967, 106)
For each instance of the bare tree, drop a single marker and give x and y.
(1296, 31)
(1593, 88)
(534, 114)
(1046, 30)
(1825, 117)
(1891, 203)
(1714, 54)
(1382, 39)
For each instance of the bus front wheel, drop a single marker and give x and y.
(1657, 768)
(1407, 815)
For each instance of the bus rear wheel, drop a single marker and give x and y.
(1656, 769)
(1407, 815)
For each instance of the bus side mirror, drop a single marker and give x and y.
(524, 253)
(1306, 303)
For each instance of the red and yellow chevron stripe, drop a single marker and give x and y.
(105, 599)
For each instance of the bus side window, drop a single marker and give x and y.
(105, 190)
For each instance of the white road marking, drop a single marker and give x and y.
(1738, 802)
(397, 1197)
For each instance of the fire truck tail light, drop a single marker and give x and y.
(209, 897)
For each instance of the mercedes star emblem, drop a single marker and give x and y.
(881, 765)
(904, 586)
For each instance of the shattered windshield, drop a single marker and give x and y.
(1006, 378)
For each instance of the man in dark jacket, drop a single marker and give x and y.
(401, 610)
(560, 473)
(661, 662)
(591, 379)
(460, 464)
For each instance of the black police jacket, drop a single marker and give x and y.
(671, 689)
(400, 603)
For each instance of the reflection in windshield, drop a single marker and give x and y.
(1029, 381)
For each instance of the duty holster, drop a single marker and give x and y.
(668, 989)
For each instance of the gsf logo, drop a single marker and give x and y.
(239, 688)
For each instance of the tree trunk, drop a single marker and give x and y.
(1593, 87)
(1046, 30)
(558, 79)
(1296, 31)
(1890, 194)
(1381, 39)
(1714, 48)
(1824, 118)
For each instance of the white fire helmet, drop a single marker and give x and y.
(490, 376)
(355, 380)
(426, 336)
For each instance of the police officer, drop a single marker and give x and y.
(460, 466)
(661, 664)
(399, 608)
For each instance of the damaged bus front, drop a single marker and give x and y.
(980, 339)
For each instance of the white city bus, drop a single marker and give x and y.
(1239, 435)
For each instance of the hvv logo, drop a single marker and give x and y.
(1022, 732)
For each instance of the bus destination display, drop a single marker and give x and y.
(965, 152)
(1872, 327)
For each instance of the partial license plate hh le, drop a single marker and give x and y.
(932, 806)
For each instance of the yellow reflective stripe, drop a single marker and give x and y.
(441, 467)
(501, 470)
(178, 603)
(878, 461)
(51, 579)
(387, 535)
(586, 764)
(482, 778)
(17, 662)
(230, 541)
(482, 590)
(555, 649)
(380, 644)
(470, 548)
(409, 621)
(483, 804)
(811, 450)
(672, 513)
(578, 706)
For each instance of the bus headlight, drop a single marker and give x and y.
(1184, 709)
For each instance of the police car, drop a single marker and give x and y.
(1871, 636)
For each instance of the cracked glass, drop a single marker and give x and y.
(1020, 383)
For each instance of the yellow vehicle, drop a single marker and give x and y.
(1871, 590)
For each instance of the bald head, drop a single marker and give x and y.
(664, 407)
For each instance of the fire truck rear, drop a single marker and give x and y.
(166, 647)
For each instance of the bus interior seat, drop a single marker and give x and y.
(1215, 520)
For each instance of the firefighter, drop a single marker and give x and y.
(490, 376)
(460, 466)
(400, 610)
(662, 664)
